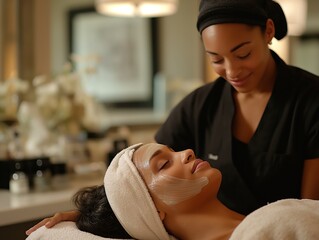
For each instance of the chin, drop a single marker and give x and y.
(215, 177)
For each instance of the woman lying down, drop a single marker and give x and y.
(151, 192)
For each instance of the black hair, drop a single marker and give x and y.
(96, 214)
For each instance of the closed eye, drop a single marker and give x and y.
(217, 62)
(244, 56)
(165, 164)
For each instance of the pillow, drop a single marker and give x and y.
(63, 230)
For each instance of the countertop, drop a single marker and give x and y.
(34, 205)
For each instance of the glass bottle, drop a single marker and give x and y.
(19, 182)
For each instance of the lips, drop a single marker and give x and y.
(195, 165)
(239, 81)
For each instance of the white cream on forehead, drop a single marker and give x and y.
(171, 190)
(151, 148)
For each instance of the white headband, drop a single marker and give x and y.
(130, 200)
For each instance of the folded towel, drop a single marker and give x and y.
(285, 219)
(61, 231)
(130, 199)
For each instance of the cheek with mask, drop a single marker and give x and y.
(172, 190)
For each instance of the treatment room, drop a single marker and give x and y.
(136, 119)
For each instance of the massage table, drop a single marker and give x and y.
(285, 219)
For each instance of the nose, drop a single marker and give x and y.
(187, 156)
(232, 69)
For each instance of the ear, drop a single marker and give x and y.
(161, 214)
(270, 30)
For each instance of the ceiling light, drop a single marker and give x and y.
(133, 8)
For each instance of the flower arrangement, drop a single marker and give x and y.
(48, 111)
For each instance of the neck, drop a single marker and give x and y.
(269, 77)
(213, 221)
(265, 84)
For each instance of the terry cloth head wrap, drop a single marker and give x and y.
(130, 199)
(252, 12)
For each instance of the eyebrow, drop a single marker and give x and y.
(233, 49)
(157, 152)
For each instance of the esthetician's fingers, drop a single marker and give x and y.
(38, 225)
(58, 217)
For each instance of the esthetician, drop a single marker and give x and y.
(258, 123)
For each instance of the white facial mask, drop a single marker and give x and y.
(171, 190)
(176, 190)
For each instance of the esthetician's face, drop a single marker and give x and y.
(174, 177)
(239, 53)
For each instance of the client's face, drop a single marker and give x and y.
(174, 177)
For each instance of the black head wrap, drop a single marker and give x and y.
(252, 12)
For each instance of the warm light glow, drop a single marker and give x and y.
(141, 8)
(126, 9)
(296, 14)
(281, 48)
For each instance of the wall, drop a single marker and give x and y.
(9, 35)
(1, 42)
(59, 30)
(313, 15)
(42, 37)
(179, 43)
(305, 53)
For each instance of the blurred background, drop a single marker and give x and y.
(77, 86)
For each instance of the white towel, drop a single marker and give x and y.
(63, 231)
(289, 219)
(130, 199)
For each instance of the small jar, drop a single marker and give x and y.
(19, 182)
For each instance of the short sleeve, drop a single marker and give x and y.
(312, 142)
(311, 121)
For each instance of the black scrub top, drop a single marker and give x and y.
(270, 166)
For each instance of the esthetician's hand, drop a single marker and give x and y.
(58, 217)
